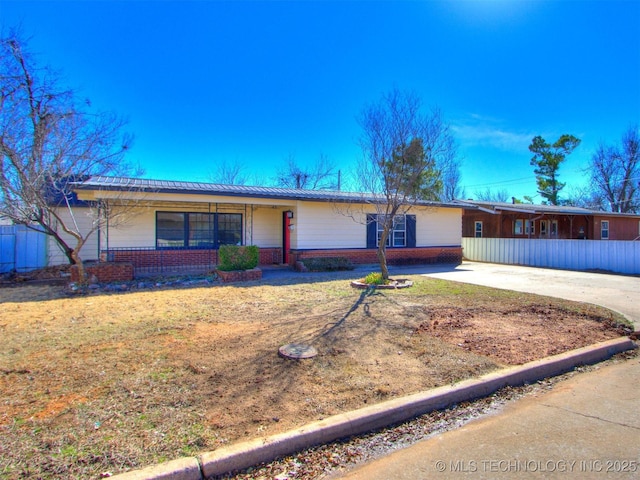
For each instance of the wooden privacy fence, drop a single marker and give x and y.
(21, 249)
(610, 255)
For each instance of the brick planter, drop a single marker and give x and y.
(239, 275)
(105, 272)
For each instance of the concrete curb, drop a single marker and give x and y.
(247, 454)
(187, 468)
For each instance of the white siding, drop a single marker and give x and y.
(262, 225)
(438, 226)
(138, 232)
(319, 225)
(267, 227)
(84, 219)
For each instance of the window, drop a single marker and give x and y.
(398, 234)
(530, 228)
(229, 229)
(518, 227)
(478, 230)
(200, 230)
(197, 230)
(604, 230)
(169, 230)
(403, 233)
(549, 228)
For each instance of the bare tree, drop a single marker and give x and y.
(451, 177)
(402, 150)
(229, 173)
(615, 173)
(48, 141)
(489, 195)
(321, 175)
(585, 197)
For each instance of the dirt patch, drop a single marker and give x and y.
(110, 382)
(47, 274)
(514, 337)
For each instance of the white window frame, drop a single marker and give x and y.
(544, 228)
(604, 230)
(398, 233)
(477, 230)
(554, 228)
(518, 226)
(529, 227)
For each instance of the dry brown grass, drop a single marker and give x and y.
(111, 382)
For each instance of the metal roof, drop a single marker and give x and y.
(529, 208)
(201, 188)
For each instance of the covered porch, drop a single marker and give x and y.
(183, 237)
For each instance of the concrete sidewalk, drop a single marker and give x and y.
(586, 427)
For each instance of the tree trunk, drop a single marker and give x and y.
(382, 259)
(69, 253)
(75, 255)
(66, 249)
(382, 252)
(82, 274)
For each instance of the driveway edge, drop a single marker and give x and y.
(246, 454)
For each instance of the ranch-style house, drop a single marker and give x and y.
(180, 225)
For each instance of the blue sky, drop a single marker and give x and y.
(257, 82)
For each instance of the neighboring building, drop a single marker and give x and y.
(183, 223)
(521, 220)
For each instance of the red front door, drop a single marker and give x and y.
(286, 236)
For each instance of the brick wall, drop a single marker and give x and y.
(162, 258)
(105, 272)
(270, 256)
(395, 256)
(165, 259)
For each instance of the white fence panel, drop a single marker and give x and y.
(7, 248)
(22, 249)
(609, 255)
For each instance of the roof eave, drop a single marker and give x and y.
(306, 195)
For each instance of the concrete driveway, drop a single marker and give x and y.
(616, 292)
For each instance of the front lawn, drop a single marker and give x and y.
(110, 382)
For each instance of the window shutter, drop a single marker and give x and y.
(411, 230)
(372, 231)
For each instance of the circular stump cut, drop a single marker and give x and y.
(297, 351)
(393, 284)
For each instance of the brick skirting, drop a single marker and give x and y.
(122, 264)
(162, 260)
(395, 256)
(105, 272)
